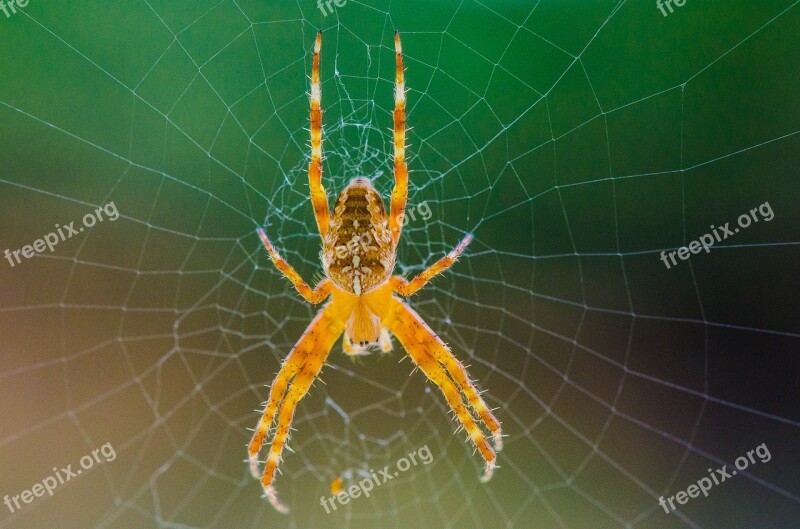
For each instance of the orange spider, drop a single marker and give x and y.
(359, 245)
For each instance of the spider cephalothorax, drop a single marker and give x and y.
(359, 242)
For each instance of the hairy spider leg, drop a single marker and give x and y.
(407, 288)
(440, 351)
(400, 191)
(304, 364)
(315, 296)
(319, 198)
(439, 365)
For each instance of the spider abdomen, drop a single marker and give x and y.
(358, 253)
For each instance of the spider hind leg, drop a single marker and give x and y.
(443, 369)
(297, 374)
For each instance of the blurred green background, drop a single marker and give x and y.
(576, 140)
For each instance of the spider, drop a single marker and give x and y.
(359, 244)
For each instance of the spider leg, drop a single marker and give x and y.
(319, 198)
(304, 364)
(407, 288)
(439, 365)
(459, 373)
(400, 191)
(317, 295)
(289, 368)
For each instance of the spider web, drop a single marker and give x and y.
(575, 141)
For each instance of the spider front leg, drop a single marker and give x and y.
(400, 191)
(315, 296)
(407, 288)
(443, 369)
(319, 197)
(301, 367)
